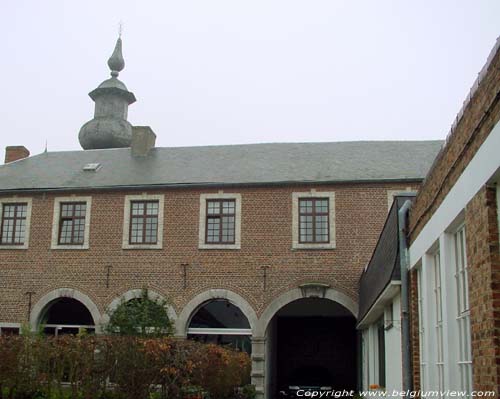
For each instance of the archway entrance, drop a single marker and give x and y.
(311, 342)
(66, 316)
(220, 322)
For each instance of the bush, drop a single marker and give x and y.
(117, 367)
(141, 316)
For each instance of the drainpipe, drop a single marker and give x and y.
(405, 321)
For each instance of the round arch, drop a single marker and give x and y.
(206, 296)
(133, 294)
(37, 310)
(298, 293)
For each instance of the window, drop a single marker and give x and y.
(438, 320)
(143, 221)
(313, 220)
(13, 224)
(421, 329)
(222, 323)
(8, 329)
(463, 313)
(15, 216)
(220, 221)
(71, 224)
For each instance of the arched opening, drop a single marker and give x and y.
(220, 322)
(311, 343)
(66, 316)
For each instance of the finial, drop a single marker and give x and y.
(116, 62)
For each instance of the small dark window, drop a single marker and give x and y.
(13, 224)
(144, 222)
(220, 223)
(72, 223)
(314, 226)
(11, 331)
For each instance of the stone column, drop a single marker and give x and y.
(259, 365)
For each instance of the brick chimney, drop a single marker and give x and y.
(15, 152)
(143, 140)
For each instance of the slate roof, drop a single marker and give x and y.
(384, 266)
(224, 165)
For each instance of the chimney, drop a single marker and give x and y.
(15, 152)
(143, 140)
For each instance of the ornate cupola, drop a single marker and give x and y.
(109, 128)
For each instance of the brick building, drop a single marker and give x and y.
(454, 250)
(260, 246)
(445, 261)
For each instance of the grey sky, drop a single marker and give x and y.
(225, 72)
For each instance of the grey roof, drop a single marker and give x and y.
(222, 165)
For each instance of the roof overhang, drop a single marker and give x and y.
(377, 309)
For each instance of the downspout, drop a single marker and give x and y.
(405, 321)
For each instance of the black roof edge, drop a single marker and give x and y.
(210, 185)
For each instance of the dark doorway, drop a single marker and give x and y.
(313, 344)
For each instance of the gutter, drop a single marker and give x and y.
(405, 321)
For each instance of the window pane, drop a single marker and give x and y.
(213, 207)
(9, 211)
(137, 208)
(306, 206)
(228, 207)
(152, 208)
(322, 206)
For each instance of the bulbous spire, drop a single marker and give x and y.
(109, 128)
(116, 62)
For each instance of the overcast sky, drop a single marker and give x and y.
(225, 72)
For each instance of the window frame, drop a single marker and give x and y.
(313, 194)
(72, 218)
(220, 215)
(57, 225)
(202, 229)
(314, 216)
(17, 200)
(143, 217)
(127, 220)
(15, 219)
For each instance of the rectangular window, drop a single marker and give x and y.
(421, 330)
(72, 223)
(314, 220)
(220, 221)
(438, 322)
(463, 314)
(13, 228)
(144, 222)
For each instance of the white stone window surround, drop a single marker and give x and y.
(295, 219)
(15, 200)
(203, 220)
(126, 220)
(56, 220)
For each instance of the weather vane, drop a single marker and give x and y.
(120, 29)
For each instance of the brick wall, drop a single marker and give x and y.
(361, 210)
(472, 128)
(483, 261)
(414, 330)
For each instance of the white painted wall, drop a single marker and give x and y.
(393, 359)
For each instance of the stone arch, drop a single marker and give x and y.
(39, 307)
(132, 294)
(206, 296)
(298, 293)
